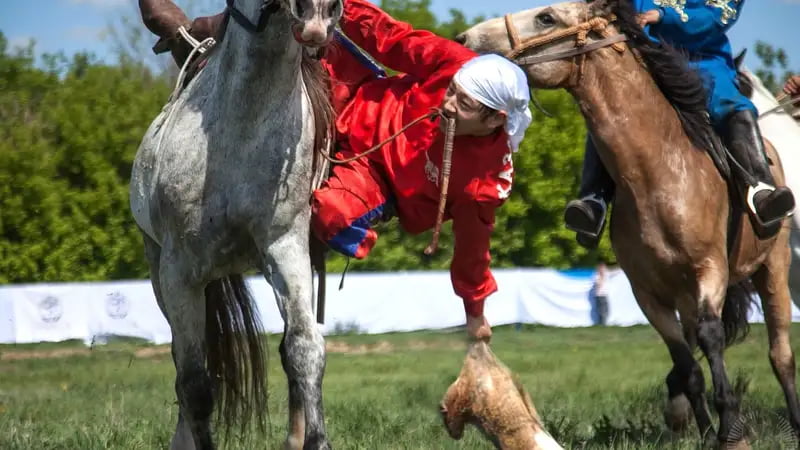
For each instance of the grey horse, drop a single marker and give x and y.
(221, 185)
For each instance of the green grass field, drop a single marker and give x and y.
(595, 387)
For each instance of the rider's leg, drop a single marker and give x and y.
(347, 205)
(736, 118)
(743, 138)
(586, 216)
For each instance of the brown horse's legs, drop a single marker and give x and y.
(711, 337)
(771, 282)
(686, 376)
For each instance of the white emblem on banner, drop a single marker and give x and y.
(50, 309)
(117, 305)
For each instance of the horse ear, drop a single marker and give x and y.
(739, 59)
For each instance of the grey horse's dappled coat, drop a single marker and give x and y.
(220, 185)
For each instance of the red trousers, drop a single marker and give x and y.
(348, 204)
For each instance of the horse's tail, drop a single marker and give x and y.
(236, 353)
(734, 312)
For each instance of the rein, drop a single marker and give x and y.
(430, 115)
(580, 31)
(267, 9)
(447, 162)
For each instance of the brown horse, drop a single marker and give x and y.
(684, 245)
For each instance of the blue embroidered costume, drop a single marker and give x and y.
(697, 27)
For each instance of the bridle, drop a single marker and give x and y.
(582, 46)
(267, 9)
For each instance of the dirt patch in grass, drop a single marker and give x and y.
(335, 346)
(332, 346)
(43, 354)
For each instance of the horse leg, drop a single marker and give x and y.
(152, 252)
(679, 410)
(184, 306)
(685, 380)
(297, 415)
(288, 270)
(772, 285)
(711, 339)
(182, 439)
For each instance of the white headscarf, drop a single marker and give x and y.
(501, 85)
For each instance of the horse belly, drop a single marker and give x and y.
(168, 173)
(142, 174)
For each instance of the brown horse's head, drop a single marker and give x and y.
(499, 36)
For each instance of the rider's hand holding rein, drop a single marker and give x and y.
(649, 17)
(792, 88)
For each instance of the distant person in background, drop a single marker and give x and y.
(601, 293)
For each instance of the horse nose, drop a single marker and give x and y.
(461, 38)
(314, 33)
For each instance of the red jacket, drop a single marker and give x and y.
(481, 172)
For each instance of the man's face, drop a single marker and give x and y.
(470, 114)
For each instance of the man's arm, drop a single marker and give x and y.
(396, 44)
(473, 223)
(701, 21)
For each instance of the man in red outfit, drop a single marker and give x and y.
(487, 95)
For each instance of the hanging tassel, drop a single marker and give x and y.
(447, 160)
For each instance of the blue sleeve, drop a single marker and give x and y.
(641, 6)
(699, 20)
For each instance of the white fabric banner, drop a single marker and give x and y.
(369, 303)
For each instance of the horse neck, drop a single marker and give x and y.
(636, 130)
(258, 68)
(761, 97)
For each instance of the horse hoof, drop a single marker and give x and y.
(678, 414)
(735, 445)
(293, 443)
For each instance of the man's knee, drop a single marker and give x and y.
(343, 221)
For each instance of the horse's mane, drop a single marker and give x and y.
(680, 84)
(316, 81)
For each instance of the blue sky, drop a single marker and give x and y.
(74, 25)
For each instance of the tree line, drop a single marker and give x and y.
(70, 127)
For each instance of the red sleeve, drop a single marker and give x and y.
(473, 223)
(346, 74)
(396, 44)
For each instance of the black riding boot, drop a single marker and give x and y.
(768, 204)
(587, 216)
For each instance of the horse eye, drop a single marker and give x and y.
(334, 8)
(545, 19)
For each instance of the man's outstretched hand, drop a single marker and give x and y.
(792, 88)
(478, 328)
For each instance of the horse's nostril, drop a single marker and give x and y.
(461, 38)
(299, 7)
